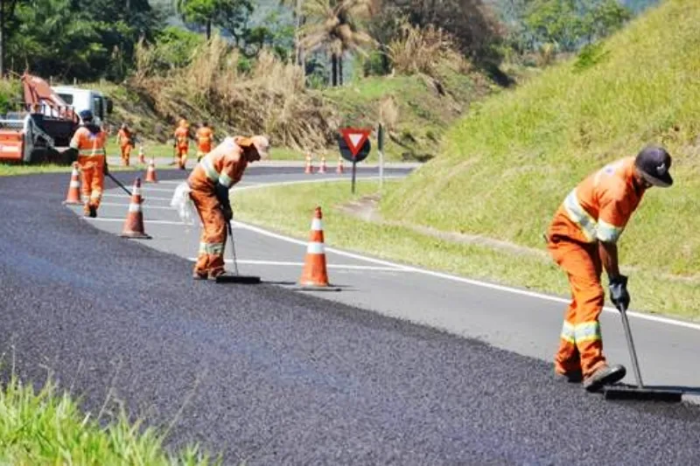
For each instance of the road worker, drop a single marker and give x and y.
(89, 140)
(582, 239)
(205, 135)
(182, 143)
(209, 183)
(125, 140)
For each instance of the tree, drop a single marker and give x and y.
(228, 13)
(333, 25)
(7, 14)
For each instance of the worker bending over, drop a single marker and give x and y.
(210, 182)
(89, 140)
(582, 239)
(126, 143)
(182, 143)
(205, 135)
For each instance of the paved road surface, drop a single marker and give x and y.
(272, 376)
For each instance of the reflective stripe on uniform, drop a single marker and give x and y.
(568, 332)
(608, 233)
(91, 152)
(209, 170)
(225, 180)
(578, 215)
(588, 331)
(211, 248)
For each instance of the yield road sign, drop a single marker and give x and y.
(354, 144)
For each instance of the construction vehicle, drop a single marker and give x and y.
(41, 129)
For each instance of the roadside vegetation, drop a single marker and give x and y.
(507, 166)
(46, 426)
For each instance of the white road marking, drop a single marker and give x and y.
(301, 264)
(148, 198)
(406, 268)
(322, 180)
(146, 222)
(115, 204)
(163, 190)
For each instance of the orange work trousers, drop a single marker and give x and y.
(210, 260)
(126, 154)
(581, 344)
(93, 170)
(181, 154)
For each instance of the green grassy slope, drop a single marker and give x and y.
(508, 165)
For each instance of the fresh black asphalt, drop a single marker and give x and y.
(270, 376)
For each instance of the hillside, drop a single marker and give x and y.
(506, 167)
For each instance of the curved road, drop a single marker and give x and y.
(267, 375)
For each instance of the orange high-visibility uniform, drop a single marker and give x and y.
(90, 144)
(182, 144)
(204, 139)
(598, 209)
(224, 165)
(125, 144)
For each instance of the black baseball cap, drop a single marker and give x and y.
(654, 164)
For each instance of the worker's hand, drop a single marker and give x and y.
(618, 292)
(228, 212)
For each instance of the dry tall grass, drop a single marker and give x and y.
(419, 50)
(270, 98)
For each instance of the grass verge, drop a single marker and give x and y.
(289, 209)
(47, 427)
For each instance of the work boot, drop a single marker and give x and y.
(93, 211)
(605, 375)
(218, 273)
(199, 276)
(570, 376)
(86, 210)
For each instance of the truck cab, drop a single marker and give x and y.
(86, 99)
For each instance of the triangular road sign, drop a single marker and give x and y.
(355, 138)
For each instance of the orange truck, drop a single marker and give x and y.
(42, 127)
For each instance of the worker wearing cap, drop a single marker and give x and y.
(582, 240)
(210, 182)
(89, 140)
(126, 143)
(182, 143)
(204, 138)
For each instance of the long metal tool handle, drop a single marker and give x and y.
(233, 248)
(119, 184)
(630, 345)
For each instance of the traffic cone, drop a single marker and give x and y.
(151, 172)
(314, 273)
(339, 169)
(323, 165)
(309, 165)
(73, 196)
(142, 158)
(133, 226)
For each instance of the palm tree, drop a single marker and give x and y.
(332, 24)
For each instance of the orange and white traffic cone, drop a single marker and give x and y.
(314, 273)
(151, 172)
(309, 165)
(142, 158)
(339, 169)
(73, 196)
(323, 165)
(133, 226)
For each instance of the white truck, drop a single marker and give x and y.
(86, 99)
(41, 129)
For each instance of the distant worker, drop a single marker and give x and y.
(125, 140)
(182, 143)
(582, 239)
(210, 182)
(89, 140)
(205, 135)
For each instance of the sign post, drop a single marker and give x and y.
(380, 148)
(354, 147)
